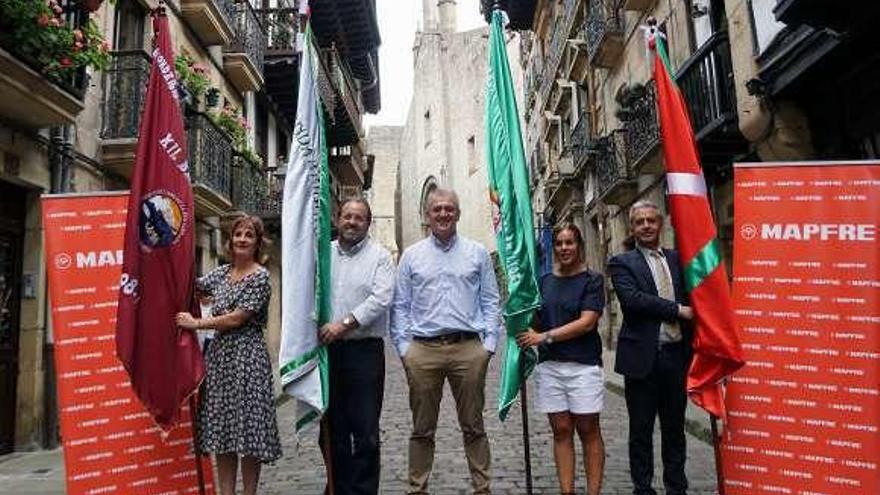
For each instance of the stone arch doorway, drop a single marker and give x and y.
(428, 187)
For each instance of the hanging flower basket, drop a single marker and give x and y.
(90, 5)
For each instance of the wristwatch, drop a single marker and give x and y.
(548, 338)
(349, 321)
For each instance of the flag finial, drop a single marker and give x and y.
(651, 32)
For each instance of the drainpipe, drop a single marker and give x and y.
(60, 164)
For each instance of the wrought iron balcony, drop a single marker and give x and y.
(271, 206)
(281, 26)
(281, 68)
(604, 28)
(575, 61)
(342, 98)
(533, 81)
(706, 80)
(526, 42)
(125, 86)
(250, 186)
(561, 28)
(615, 183)
(210, 159)
(243, 58)
(581, 143)
(536, 165)
(348, 165)
(638, 113)
(212, 20)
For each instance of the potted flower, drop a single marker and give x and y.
(212, 97)
(38, 33)
(193, 76)
(230, 120)
(251, 156)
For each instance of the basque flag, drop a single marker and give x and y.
(717, 351)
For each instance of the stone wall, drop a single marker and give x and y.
(383, 142)
(443, 141)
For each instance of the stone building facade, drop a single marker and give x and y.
(443, 141)
(79, 135)
(765, 80)
(383, 146)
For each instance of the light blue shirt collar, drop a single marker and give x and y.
(445, 246)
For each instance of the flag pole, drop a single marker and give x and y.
(327, 450)
(194, 418)
(527, 458)
(716, 445)
(527, 451)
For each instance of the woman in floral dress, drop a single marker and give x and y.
(237, 414)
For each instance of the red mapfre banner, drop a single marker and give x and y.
(804, 413)
(111, 444)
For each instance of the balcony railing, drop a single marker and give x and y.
(604, 27)
(342, 97)
(210, 157)
(706, 80)
(581, 143)
(271, 207)
(249, 36)
(250, 185)
(612, 174)
(532, 82)
(641, 128)
(281, 26)
(125, 86)
(561, 29)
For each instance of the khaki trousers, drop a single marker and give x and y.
(464, 364)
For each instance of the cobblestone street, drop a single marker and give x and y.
(302, 472)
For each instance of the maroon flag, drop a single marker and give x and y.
(163, 361)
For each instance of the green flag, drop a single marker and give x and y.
(512, 214)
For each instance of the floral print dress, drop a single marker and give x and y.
(237, 413)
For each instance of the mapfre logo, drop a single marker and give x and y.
(63, 261)
(98, 259)
(748, 231)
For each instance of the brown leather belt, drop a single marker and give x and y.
(449, 338)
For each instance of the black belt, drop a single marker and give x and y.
(448, 338)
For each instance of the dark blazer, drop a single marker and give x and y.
(643, 310)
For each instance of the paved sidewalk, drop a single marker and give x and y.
(28, 473)
(302, 472)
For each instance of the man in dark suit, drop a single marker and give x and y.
(653, 350)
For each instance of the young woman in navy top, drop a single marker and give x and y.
(569, 380)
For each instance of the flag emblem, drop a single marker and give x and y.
(161, 220)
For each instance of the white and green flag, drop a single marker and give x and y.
(305, 251)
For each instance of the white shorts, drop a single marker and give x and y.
(575, 387)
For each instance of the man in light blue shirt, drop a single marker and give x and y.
(445, 324)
